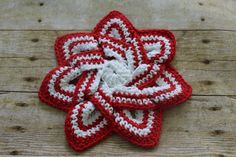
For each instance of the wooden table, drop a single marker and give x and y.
(206, 57)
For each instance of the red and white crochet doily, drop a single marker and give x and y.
(114, 79)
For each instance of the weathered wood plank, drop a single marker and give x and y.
(202, 126)
(76, 14)
(191, 45)
(204, 82)
(26, 56)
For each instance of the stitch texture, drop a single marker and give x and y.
(114, 79)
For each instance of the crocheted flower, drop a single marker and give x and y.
(116, 78)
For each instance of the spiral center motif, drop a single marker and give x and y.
(115, 74)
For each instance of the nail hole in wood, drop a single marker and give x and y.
(14, 152)
(205, 41)
(207, 82)
(200, 3)
(206, 61)
(41, 4)
(21, 104)
(35, 40)
(215, 108)
(18, 128)
(33, 58)
(30, 79)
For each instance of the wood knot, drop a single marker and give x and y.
(207, 82)
(39, 20)
(21, 104)
(30, 79)
(205, 41)
(206, 61)
(33, 58)
(202, 19)
(215, 108)
(200, 3)
(18, 128)
(35, 40)
(217, 132)
(14, 152)
(41, 4)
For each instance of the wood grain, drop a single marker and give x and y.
(78, 14)
(198, 127)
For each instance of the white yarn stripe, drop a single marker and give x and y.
(87, 57)
(137, 131)
(121, 24)
(64, 82)
(161, 38)
(83, 86)
(94, 86)
(84, 47)
(128, 52)
(152, 49)
(137, 48)
(112, 53)
(51, 85)
(178, 89)
(141, 69)
(81, 46)
(89, 114)
(115, 33)
(89, 132)
(154, 71)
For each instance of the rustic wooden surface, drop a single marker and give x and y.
(206, 57)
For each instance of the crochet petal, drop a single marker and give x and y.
(143, 129)
(58, 87)
(170, 89)
(73, 43)
(85, 126)
(116, 25)
(160, 45)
